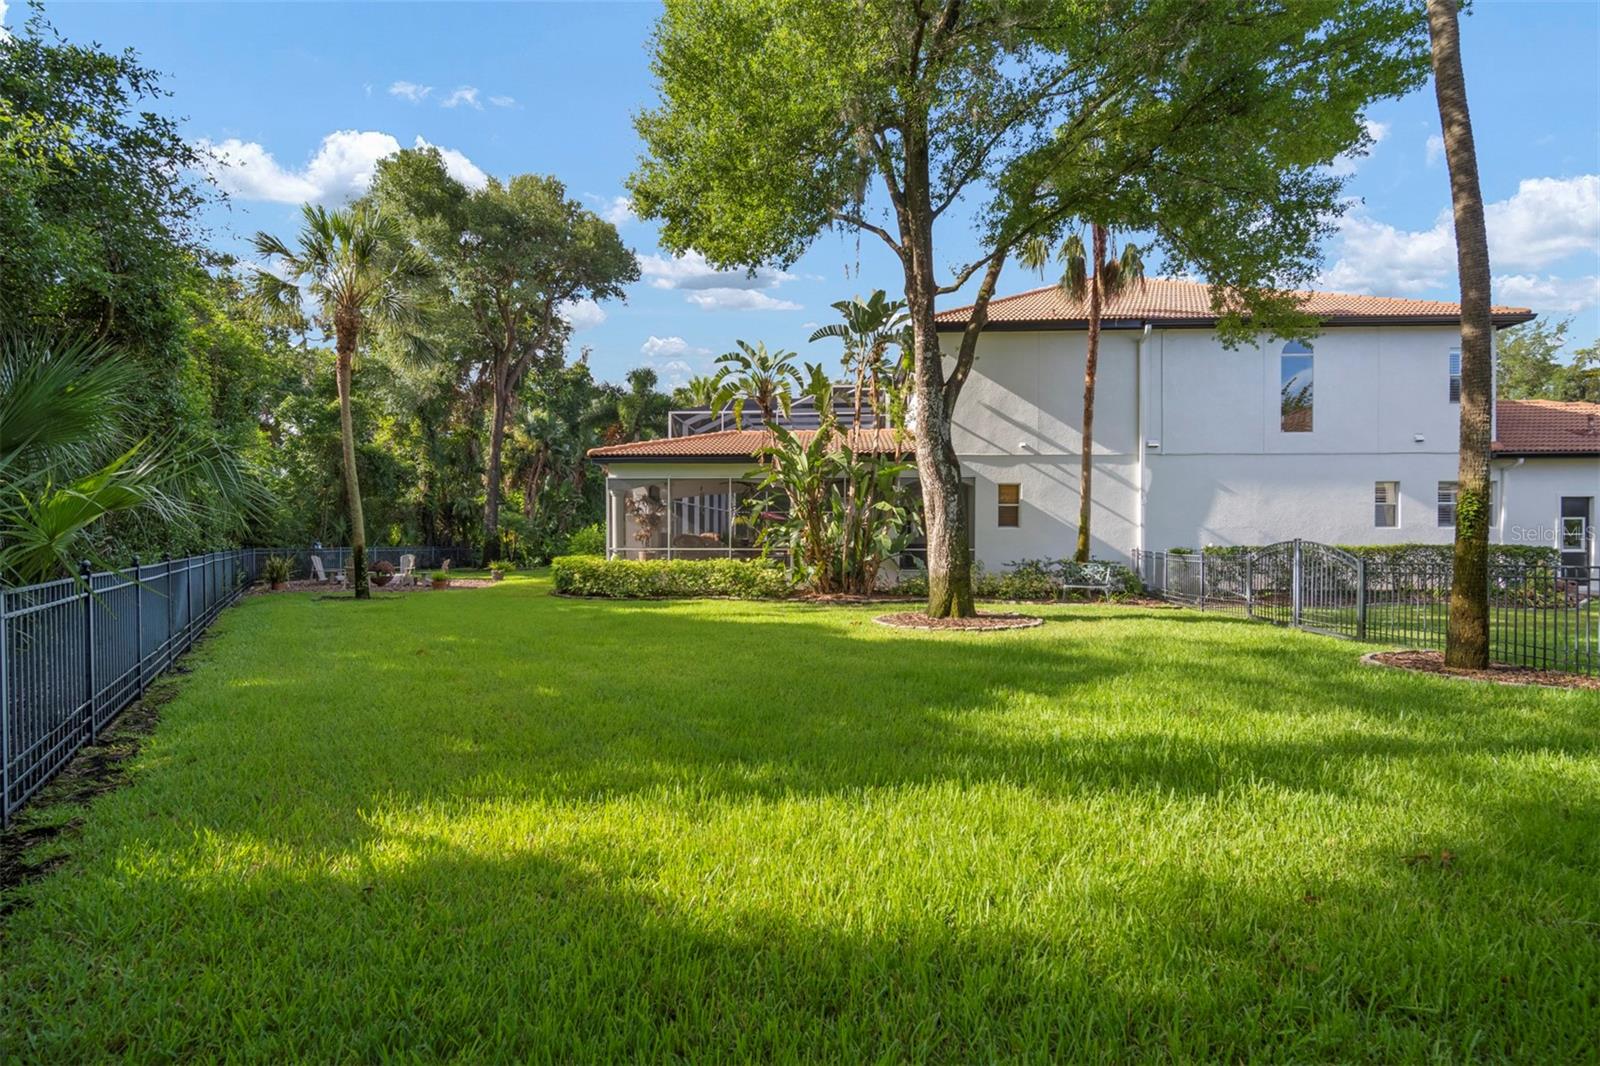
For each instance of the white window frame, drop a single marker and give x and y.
(1393, 503)
(1453, 371)
(1440, 503)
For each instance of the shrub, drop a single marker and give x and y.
(590, 540)
(1408, 554)
(654, 579)
(1036, 579)
(277, 569)
(501, 566)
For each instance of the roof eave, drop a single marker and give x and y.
(1068, 325)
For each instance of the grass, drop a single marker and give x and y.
(500, 825)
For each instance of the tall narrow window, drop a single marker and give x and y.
(1455, 377)
(1447, 503)
(1010, 505)
(1386, 504)
(1295, 388)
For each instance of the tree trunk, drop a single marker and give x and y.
(491, 495)
(1091, 365)
(345, 344)
(944, 519)
(1467, 640)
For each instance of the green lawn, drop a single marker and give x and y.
(498, 825)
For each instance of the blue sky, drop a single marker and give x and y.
(303, 97)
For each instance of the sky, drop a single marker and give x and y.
(301, 99)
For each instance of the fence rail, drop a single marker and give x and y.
(1541, 614)
(75, 652)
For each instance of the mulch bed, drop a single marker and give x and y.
(1432, 662)
(983, 623)
(336, 590)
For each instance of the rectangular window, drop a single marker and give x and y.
(1455, 377)
(1447, 503)
(1295, 391)
(1010, 505)
(1386, 504)
(1574, 534)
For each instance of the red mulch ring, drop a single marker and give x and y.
(983, 623)
(1432, 662)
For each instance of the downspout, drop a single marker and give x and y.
(1500, 512)
(1138, 422)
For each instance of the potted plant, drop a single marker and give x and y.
(276, 571)
(381, 573)
(441, 579)
(498, 569)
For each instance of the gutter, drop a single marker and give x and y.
(1138, 425)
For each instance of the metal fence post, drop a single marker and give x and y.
(138, 630)
(1294, 578)
(188, 595)
(172, 622)
(86, 571)
(1361, 598)
(1202, 602)
(5, 717)
(1249, 587)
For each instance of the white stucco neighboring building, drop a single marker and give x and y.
(1348, 439)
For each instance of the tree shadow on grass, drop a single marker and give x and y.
(538, 953)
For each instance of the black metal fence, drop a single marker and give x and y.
(74, 652)
(1541, 614)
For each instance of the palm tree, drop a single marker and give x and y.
(1113, 273)
(354, 263)
(869, 327)
(69, 459)
(1467, 639)
(700, 391)
(754, 375)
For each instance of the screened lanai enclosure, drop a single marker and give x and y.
(680, 517)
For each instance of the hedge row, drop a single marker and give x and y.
(1402, 554)
(656, 579)
(1033, 579)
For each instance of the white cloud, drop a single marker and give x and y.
(720, 299)
(410, 91)
(619, 211)
(1544, 222)
(3, 34)
(691, 271)
(340, 170)
(667, 347)
(466, 94)
(457, 165)
(1547, 292)
(582, 314)
(503, 101)
(1435, 149)
(1346, 164)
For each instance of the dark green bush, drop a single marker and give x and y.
(655, 579)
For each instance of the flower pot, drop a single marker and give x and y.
(441, 582)
(380, 578)
(497, 575)
(279, 586)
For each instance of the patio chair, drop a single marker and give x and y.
(320, 575)
(407, 573)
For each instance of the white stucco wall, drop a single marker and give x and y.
(1530, 496)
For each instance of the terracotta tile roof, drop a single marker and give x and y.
(736, 444)
(1170, 301)
(1547, 427)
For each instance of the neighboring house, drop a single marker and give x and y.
(1349, 439)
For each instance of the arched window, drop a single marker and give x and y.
(1295, 390)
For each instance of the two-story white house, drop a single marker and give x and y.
(1348, 439)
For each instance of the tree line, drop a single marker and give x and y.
(398, 370)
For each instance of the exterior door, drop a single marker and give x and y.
(1575, 537)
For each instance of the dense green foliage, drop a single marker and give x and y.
(497, 825)
(651, 579)
(101, 245)
(1529, 364)
(1042, 580)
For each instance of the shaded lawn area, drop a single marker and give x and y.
(497, 824)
